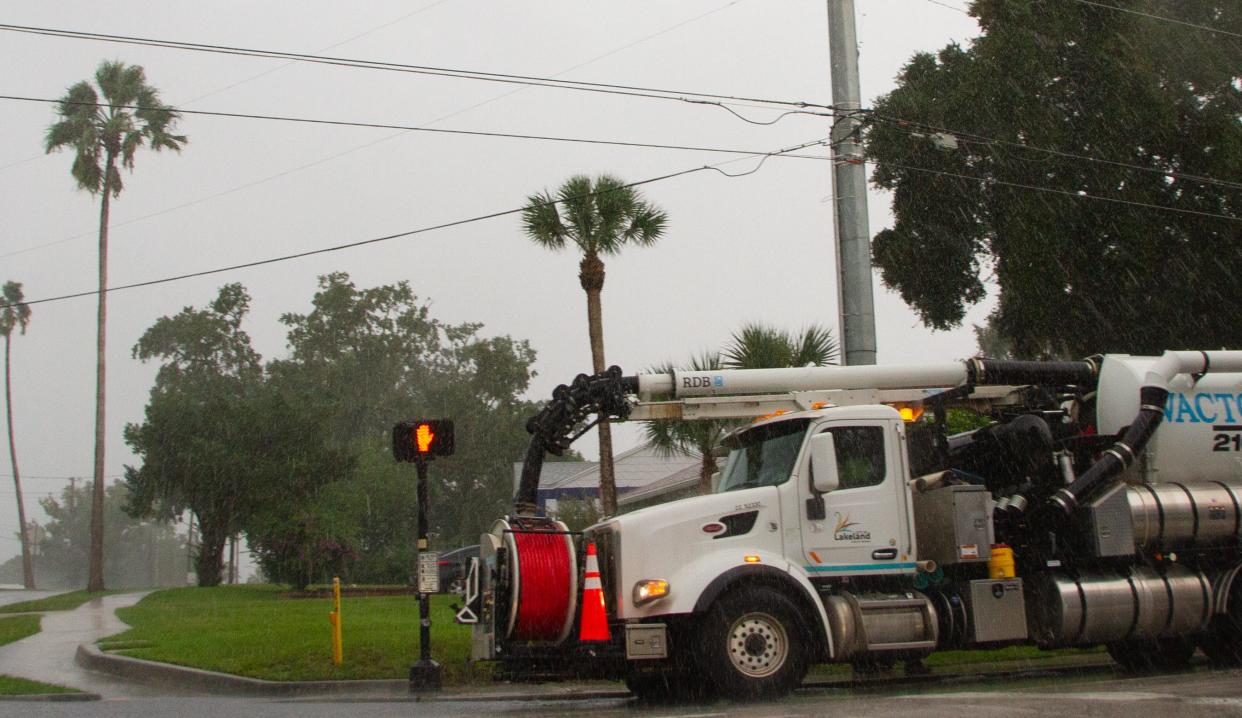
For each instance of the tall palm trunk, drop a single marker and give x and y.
(707, 467)
(28, 579)
(591, 276)
(96, 580)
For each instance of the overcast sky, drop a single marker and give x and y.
(757, 247)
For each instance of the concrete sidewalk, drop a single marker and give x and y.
(48, 656)
(18, 595)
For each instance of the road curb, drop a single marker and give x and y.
(89, 656)
(139, 670)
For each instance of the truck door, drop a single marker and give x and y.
(863, 528)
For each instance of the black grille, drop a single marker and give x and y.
(737, 524)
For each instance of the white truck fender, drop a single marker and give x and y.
(778, 573)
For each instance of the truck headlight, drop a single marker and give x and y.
(650, 590)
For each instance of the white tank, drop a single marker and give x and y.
(1200, 438)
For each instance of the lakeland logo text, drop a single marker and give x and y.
(846, 530)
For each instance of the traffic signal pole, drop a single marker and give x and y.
(418, 442)
(425, 674)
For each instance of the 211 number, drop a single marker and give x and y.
(1227, 442)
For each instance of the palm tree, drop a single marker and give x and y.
(14, 314)
(691, 437)
(599, 218)
(100, 133)
(754, 346)
(757, 346)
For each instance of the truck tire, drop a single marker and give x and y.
(754, 644)
(1161, 654)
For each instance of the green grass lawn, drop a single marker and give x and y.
(14, 628)
(10, 686)
(1007, 654)
(255, 631)
(59, 602)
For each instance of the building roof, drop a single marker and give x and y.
(682, 480)
(554, 472)
(636, 468)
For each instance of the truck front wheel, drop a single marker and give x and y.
(755, 644)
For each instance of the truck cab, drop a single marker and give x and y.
(854, 519)
(805, 501)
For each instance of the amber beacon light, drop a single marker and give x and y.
(422, 439)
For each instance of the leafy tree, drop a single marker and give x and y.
(218, 439)
(600, 218)
(578, 513)
(143, 553)
(754, 346)
(992, 343)
(15, 315)
(297, 454)
(365, 359)
(101, 133)
(1138, 112)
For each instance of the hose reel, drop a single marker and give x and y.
(542, 585)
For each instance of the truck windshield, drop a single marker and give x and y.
(763, 456)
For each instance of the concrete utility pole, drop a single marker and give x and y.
(849, 191)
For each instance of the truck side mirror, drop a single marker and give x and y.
(823, 450)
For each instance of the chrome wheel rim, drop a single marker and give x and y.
(758, 645)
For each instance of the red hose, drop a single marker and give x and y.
(543, 598)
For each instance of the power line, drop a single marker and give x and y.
(409, 128)
(267, 72)
(365, 145)
(690, 96)
(374, 125)
(334, 45)
(1067, 193)
(410, 233)
(947, 5)
(1162, 18)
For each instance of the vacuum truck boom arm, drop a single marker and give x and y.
(606, 396)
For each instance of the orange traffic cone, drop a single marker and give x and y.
(594, 625)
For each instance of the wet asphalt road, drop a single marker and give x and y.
(48, 656)
(1197, 694)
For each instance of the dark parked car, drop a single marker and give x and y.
(454, 566)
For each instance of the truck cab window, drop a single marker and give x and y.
(860, 455)
(762, 456)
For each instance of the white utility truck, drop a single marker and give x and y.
(1101, 504)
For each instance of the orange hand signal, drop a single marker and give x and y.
(423, 437)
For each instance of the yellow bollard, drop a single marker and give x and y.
(335, 619)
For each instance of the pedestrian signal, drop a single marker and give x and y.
(422, 439)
